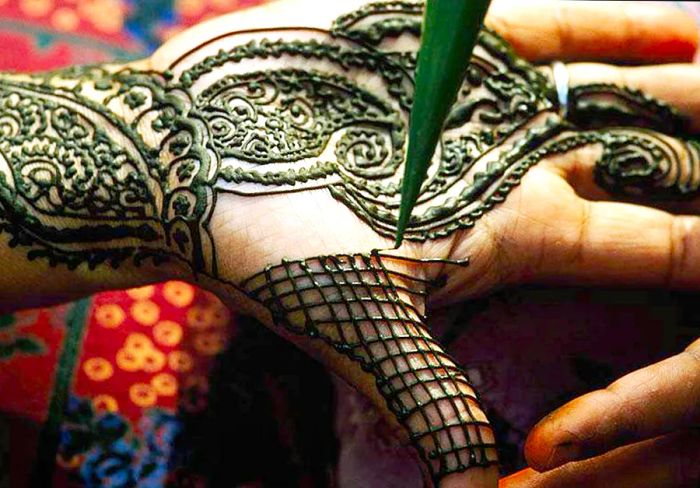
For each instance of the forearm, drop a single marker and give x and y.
(82, 194)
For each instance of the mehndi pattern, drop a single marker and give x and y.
(99, 165)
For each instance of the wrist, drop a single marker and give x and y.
(96, 182)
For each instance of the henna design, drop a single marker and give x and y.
(599, 105)
(139, 156)
(355, 304)
(74, 151)
(355, 137)
(643, 164)
(637, 162)
(103, 165)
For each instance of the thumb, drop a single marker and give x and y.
(362, 316)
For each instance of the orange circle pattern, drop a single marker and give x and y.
(165, 384)
(105, 403)
(149, 353)
(178, 293)
(180, 361)
(153, 361)
(143, 395)
(141, 293)
(98, 369)
(145, 312)
(167, 333)
(218, 314)
(110, 315)
(209, 343)
(197, 317)
(128, 360)
(139, 343)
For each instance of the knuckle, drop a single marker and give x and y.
(680, 237)
(694, 351)
(562, 25)
(629, 417)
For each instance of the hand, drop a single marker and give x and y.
(513, 243)
(265, 165)
(641, 431)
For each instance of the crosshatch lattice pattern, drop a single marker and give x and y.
(364, 309)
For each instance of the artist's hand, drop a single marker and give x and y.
(560, 226)
(642, 431)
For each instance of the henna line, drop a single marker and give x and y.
(439, 410)
(247, 31)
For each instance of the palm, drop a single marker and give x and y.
(319, 121)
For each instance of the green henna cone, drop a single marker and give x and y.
(450, 31)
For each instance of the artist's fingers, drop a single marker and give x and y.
(477, 478)
(613, 31)
(655, 400)
(671, 461)
(675, 84)
(546, 233)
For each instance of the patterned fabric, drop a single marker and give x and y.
(43, 34)
(163, 386)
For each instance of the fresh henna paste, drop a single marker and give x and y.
(102, 165)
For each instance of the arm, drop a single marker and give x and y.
(83, 196)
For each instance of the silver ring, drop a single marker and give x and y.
(561, 82)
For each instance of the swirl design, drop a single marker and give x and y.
(284, 115)
(316, 127)
(68, 166)
(647, 164)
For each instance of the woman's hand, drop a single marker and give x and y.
(641, 431)
(264, 162)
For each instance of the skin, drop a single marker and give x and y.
(628, 434)
(557, 226)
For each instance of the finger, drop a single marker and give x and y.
(545, 233)
(614, 31)
(675, 84)
(655, 400)
(559, 237)
(637, 166)
(363, 309)
(671, 461)
(607, 243)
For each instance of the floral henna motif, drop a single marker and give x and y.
(348, 136)
(638, 162)
(99, 167)
(103, 165)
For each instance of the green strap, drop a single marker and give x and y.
(76, 322)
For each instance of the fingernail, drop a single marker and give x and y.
(562, 454)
